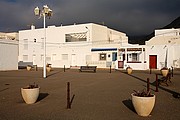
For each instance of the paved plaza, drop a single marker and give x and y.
(97, 96)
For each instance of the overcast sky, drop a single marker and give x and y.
(133, 17)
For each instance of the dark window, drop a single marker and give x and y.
(102, 56)
(134, 57)
(76, 37)
(114, 56)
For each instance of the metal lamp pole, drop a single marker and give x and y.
(45, 12)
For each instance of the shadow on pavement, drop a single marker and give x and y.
(128, 104)
(174, 94)
(42, 96)
(53, 74)
(4, 89)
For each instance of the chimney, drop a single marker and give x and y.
(32, 27)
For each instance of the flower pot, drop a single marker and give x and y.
(143, 105)
(48, 69)
(129, 70)
(30, 96)
(28, 68)
(164, 72)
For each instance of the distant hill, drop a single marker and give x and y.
(141, 39)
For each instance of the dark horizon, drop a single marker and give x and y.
(135, 18)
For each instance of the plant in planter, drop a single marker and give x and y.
(143, 102)
(164, 71)
(48, 67)
(30, 93)
(129, 70)
(28, 67)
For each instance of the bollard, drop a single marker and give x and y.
(157, 83)
(64, 68)
(150, 70)
(110, 69)
(172, 71)
(147, 84)
(68, 96)
(35, 68)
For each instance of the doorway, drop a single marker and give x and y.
(153, 61)
(73, 60)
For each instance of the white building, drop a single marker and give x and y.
(163, 49)
(133, 56)
(73, 45)
(8, 51)
(160, 51)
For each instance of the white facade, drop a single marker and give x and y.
(73, 45)
(164, 47)
(9, 54)
(9, 36)
(133, 56)
(160, 51)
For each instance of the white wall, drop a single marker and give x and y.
(9, 55)
(167, 32)
(165, 41)
(56, 46)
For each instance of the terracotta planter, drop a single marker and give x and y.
(28, 68)
(164, 72)
(30, 96)
(129, 70)
(143, 105)
(48, 69)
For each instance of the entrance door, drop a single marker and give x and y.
(120, 64)
(73, 60)
(153, 61)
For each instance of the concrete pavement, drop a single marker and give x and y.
(98, 96)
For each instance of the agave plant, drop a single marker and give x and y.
(31, 86)
(143, 93)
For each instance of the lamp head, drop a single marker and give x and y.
(50, 13)
(37, 11)
(46, 9)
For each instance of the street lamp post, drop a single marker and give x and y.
(45, 12)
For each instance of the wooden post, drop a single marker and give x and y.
(172, 71)
(157, 83)
(147, 84)
(64, 68)
(110, 69)
(68, 96)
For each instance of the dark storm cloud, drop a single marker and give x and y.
(134, 17)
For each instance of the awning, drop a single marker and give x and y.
(104, 49)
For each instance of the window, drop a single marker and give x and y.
(48, 59)
(76, 37)
(102, 56)
(42, 57)
(25, 44)
(134, 57)
(25, 57)
(64, 56)
(114, 56)
(42, 43)
(53, 56)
